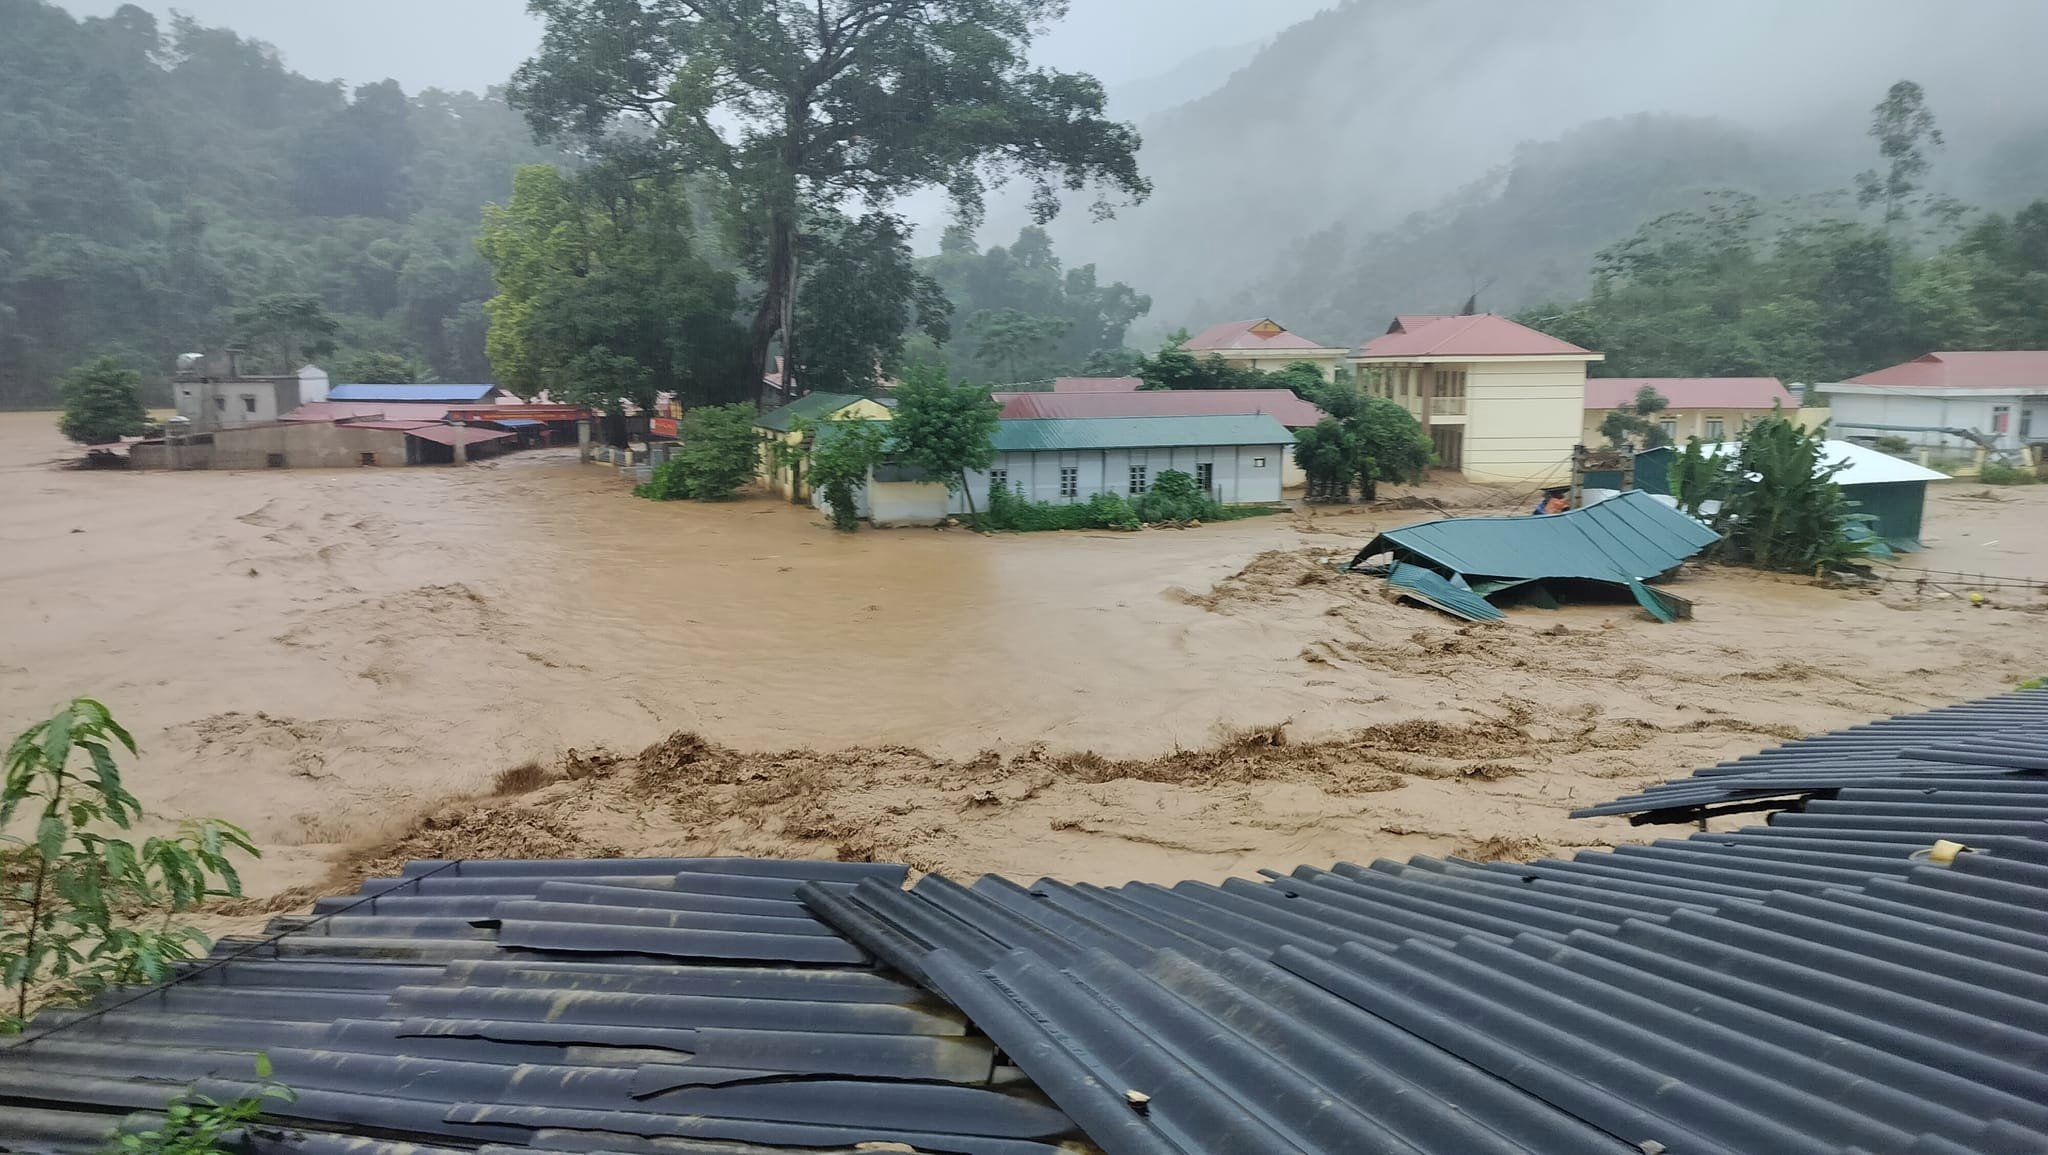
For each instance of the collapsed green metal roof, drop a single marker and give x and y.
(1624, 541)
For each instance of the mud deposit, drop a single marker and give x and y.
(348, 661)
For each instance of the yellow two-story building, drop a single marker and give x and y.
(1500, 401)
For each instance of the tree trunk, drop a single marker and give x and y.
(967, 491)
(777, 311)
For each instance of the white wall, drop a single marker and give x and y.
(1971, 412)
(1244, 474)
(1523, 418)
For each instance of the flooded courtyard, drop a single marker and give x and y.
(340, 659)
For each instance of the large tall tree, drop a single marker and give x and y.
(803, 104)
(1904, 128)
(863, 294)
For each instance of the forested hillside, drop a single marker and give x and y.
(153, 179)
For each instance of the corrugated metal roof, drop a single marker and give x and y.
(1982, 369)
(386, 410)
(1802, 987)
(1438, 592)
(457, 434)
(1477, 335)
(1258, 334)
(1692, 392)
(416, 393)
(1630, 538)
(1861, 465)
(1282, 404)
(632, 1002)
(809, 407)
(1096, 384)
(1139, 432)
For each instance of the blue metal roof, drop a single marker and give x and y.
(1046, 434)
(1451, 595)
(1808, 987)
(516, 422)
(424, 393)
(1630, 538)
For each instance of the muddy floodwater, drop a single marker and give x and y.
(326, 657)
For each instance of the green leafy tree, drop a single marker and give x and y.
(290, 327)
(1636, 422)
(862, 295)
(1391, 443)
(196, 1124)
(1329, 456)
(81, 909)
(803, 106)
(720, 452)
(1176, 498)
(1017, 345)
(1904, 129)
(1055, 320)
(945, 429)
(1779, 506)
(842, 453)
(1173, 367)
(102, 402)
(378, 369)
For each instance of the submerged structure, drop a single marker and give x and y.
(1465, 565)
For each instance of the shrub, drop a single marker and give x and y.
(1780, 507)
(195, 1124)
(102, 402)
(718, 454)
(842, 453)
(1894, 444)
(666, 484)
(1999, 473)
(1010, 510)
(1175, 496)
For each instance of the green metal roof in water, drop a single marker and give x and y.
(1626, 541)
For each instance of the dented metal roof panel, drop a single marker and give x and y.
(638, 1001)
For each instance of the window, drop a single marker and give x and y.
(1070, 481)
(2001, 418)
(248, 403)
(1670, 427)
(369, 459)
(1258, 463)
(1205, 475)
(1716, 429)
(273, 460)
(998, 479)
(220, 404)
(1139, 474)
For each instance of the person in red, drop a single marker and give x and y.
(1555, 502)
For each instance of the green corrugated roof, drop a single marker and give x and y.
(810, 407)
(1630, 538)
(1026, 436)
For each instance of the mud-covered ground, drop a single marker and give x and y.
(366, 665)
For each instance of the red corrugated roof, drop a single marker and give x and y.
(457, 434)
(1240, 335)
(1478, 335)
(375, 410)
(1096, 384)
(1691, 392)
(407, 426)
(1281, 404)
(2003, 369)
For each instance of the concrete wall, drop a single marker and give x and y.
(1973, 411)
(306, 445)
(1243, 474)
(222, 404)
(779, 481)
(1523, 418)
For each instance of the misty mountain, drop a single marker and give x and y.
(1310, 182)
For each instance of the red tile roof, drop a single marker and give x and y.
(1691, 392)
(1968, 370)
(1096, 384)
(1258, 333)
(1478, 335)
(1281, 404)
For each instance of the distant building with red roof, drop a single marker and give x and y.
(1264, 344)
(2001, 394)
(1500, 401)
(1711, 408)
(1281, 404)
(1096, 384)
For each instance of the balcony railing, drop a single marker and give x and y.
(1447, 406)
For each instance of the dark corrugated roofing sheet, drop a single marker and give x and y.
(627, 1001)
(1809, 986)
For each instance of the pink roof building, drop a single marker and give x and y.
(1281, 404)
(1997, 395)
(1417, 336)
(1263, 344)
(1096, 384)
(1711, 408)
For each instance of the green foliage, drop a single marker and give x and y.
(196, 1124)
(160, 176)
(942, 428)
(1636, 423)
(1893, 444)
(2040, 683)
(862, 294)
(718, 453)
(1175, 497)
(378, 369)
(842, 453)
(1999, 473)
(1173, 367)
(288, 328)
(1008, 510)
(102, 402)
(1027, 318)
(81, 910)
(1903, 127)
(1393, 443)
(604, 298)
(1329, 456)
(800, 106)
(1779, 505)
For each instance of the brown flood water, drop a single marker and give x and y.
(321, 656)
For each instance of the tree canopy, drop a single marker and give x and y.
(1025, 317)
(102, 402)
(944, 429)
(803, 106)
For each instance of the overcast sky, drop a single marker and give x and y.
(473, 44)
